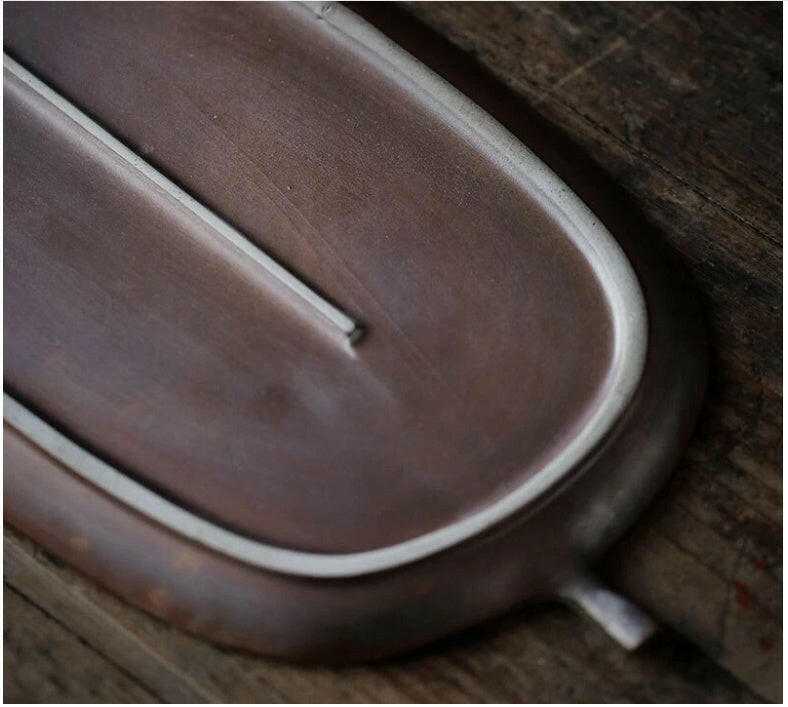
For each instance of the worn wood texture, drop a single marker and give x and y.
(45, 662)
(679, 106)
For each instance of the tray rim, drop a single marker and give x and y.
(588, 234)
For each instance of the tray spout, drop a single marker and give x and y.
(619, 617)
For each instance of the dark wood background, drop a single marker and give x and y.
(677, 109)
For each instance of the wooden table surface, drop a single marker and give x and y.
(678, 107)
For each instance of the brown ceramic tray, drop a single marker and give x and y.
(305, 352)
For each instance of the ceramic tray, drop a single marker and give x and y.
(305, 352)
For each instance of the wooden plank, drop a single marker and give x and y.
(542, 654)
(680, 108)
(44, 662)
(33, 579)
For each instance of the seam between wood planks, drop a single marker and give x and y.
(50, 616)
(26, 574)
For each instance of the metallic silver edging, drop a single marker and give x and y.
(327, 311)
(589, 235)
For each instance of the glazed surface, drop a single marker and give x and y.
(489, 339)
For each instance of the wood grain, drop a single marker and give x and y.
(44, 662)
(679, 107)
